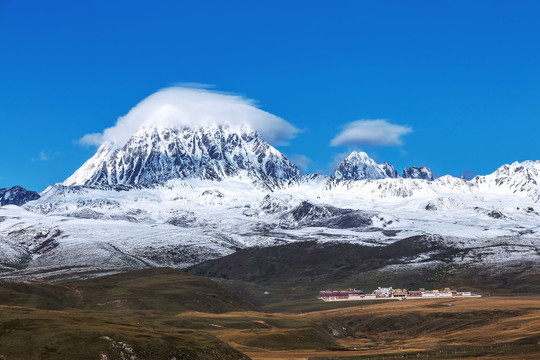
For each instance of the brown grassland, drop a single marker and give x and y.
(493, 327)
(166, 314)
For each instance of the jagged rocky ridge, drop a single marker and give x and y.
(359, 166)
(181, 196)
(418, 172)
(153, 155)
(16, 195)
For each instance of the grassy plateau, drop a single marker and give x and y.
(169, 314)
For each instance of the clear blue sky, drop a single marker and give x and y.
(465, 76)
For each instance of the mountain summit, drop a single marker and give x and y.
(213, 152)
(359, 166)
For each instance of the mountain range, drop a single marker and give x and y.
(180, 196)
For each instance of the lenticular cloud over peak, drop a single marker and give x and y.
(181, 107)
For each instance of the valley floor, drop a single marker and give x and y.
(168, 314)
(480, 328)
(495, 327)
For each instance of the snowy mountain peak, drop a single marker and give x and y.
(212, 152)
(358, 166)
(517, 177)
(418, 172)
(360, 156)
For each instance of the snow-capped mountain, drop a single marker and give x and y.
(16, 195)
(179, 196)
(418, 172)
(519, 177)
(359, 166)
(154, 155)
(183, 177)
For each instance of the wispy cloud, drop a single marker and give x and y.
(371, 133)
(194, 85)
(301, 161)
(187, 106)
(46, 155)
(43, 156)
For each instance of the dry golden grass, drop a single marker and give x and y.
(494, 328)
(140, 311)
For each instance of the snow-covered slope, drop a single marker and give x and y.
(517, 178)
(155, 154)
(100, 229)
(176, 197)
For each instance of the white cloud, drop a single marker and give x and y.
(302, 161)
(182, 106)
(92, 139)
(370, 133)
(46, 156)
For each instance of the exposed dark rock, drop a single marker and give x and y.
(418, 172)
(431, 207)
(16, 196)
(389, 170)
(307, 214)
(496, 214)
(184, 221)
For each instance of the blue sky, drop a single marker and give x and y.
(464, 76)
